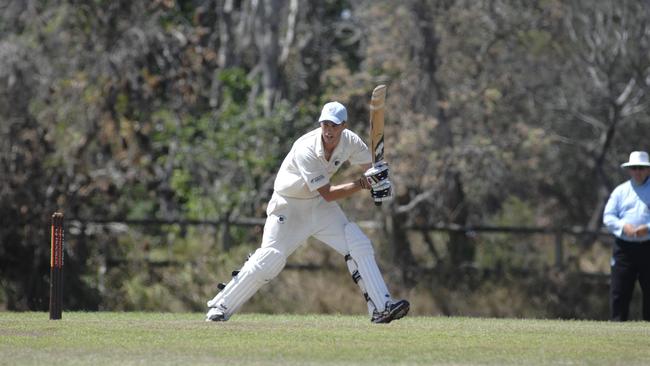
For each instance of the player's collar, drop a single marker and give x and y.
(320, 148)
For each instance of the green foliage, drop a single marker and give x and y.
(536, 40)
(515, 212)
(177, 271)
(141, 207)
(236, 86)
(143, 295)
(512, 251)
(218, 159)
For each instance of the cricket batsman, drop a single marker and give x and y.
(303, 205)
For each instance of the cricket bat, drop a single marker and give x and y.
(377, 102)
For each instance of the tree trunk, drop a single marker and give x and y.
(267, 38)
(432, 92)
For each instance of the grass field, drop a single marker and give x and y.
(104, 338)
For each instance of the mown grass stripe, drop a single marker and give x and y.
(104, 338)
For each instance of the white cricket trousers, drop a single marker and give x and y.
(291, 221)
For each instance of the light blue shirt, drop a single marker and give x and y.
(628, 204)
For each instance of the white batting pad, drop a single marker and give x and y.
(354, 271)
(260, 268)
(364, 256)
(373, 281)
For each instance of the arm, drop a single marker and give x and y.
(332, 193)
(639, 231)
(610, 216)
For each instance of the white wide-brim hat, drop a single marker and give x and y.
(637, 158)
(335, 112)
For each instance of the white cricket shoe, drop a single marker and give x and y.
(215, 315)
(393, 311)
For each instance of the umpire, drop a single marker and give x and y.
(627, 216)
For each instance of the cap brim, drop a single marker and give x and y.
(627, 165)
(331, 119)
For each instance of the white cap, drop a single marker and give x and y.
(335, 112)
(637, 158)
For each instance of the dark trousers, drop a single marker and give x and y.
(630, 261)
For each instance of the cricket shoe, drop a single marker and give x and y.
(215, 315)
(393, 311)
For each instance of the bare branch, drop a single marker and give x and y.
(626, 92)
(414, 202)
(592, 121)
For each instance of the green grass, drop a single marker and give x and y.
(104, 338)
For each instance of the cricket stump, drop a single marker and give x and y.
(56, 267)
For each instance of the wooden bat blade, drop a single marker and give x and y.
(377, 102)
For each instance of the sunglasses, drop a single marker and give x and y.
(638, 167)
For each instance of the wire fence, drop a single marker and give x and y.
(559, 234)
(557, 271)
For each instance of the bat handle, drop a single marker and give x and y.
(374, 164)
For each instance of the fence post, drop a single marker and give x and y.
(559, 250)
(226, 239)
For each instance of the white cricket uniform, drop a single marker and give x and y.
(297, 211)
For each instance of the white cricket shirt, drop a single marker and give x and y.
(305, 169)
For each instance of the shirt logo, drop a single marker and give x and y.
(337, 162)
(317, 179)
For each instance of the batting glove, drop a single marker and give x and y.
(377, 175)
(383, 192)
